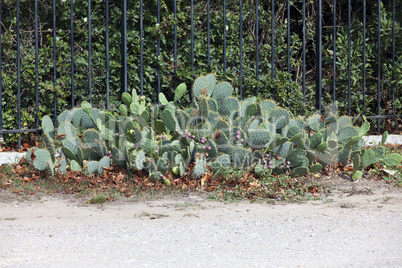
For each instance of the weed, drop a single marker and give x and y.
(347, 205)
(99, 199)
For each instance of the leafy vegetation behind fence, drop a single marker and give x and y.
(286, 87)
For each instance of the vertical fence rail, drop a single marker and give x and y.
(349, 55)
(54, 66)
(72, 50)
(89, 53)
(304, 51)
(224, 36)
(288, 34)
(158, 48)
(334, 61)
(364, 53)
(192, 37)
(141, 48)
(107, 57)
(393, 58)
(1, 87)
(18, 73)
(175, 37)
(319, 55)
(379, 68)
(208, 36)
(124, 48)
(272, 40)
(256, 44)
(36, 68)
(241, 48)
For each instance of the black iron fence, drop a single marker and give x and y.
(318, 52)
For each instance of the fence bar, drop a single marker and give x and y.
(36, 68)
(349, 56)
(192, 37)
(224, 36)
(379, 67)
(107, 57)
(72, 50)
(158, 49)
(175, 37)
(124, 48)
(241, 48)
(304, 51)
(272, 40)
(1, 90)
(141, 48)
(208, 36)
(54, 67)
(334, 61)
(364, 53)
(393, 58)
(319, 56)
(18, 73)
(288, 22)
(256, 43)
(89, 53)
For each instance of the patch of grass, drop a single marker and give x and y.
(155, 216)
(347, 205)
(10, 219)
(99, 199)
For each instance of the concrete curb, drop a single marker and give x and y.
(14, 157)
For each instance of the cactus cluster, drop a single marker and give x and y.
(216, 131)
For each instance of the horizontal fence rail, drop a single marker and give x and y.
(152, 46)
